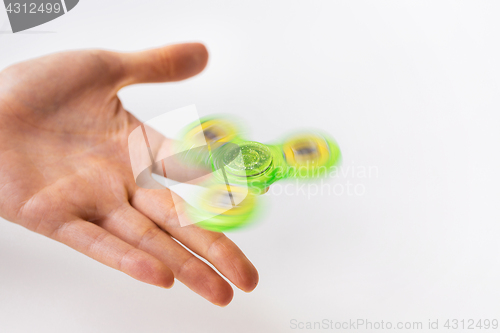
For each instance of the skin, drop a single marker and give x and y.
(65, 170)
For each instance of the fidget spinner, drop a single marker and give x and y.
(242, 169)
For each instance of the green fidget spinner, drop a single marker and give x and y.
(241, 169)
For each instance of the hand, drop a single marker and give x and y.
(65, 170)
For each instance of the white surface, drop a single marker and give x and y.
(408, 88)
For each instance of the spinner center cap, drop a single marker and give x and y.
(247, 159)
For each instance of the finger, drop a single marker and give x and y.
(218, 249)
(221, 252)
(136, 229)
(102, 246)
(170, 63)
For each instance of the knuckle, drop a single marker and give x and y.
(186, 266)
(165, 64)
(219, 247)
(147, 236)
(96, 243)
(123, 259)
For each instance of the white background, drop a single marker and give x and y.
(408, 87)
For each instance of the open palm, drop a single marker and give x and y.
(65, 171)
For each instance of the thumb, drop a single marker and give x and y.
(169, 63)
